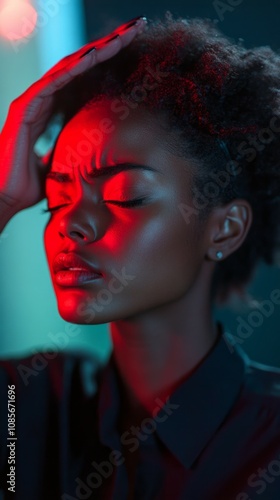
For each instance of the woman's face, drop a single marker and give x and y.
(147, 254)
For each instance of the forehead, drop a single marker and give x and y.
(99, 137)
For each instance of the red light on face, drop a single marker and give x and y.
(17, 19)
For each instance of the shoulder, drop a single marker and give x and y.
(50, 369)
(262, 379)
(261, 386)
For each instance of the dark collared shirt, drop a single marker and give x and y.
(216, 438)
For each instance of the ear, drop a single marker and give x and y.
(227, 228)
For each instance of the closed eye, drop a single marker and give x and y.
(52, 209)
(126, 204)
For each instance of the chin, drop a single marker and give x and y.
(90, 319)
(70, 311)
(79, 307)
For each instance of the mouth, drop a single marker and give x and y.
(72, 270)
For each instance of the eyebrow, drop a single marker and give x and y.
(100, 172)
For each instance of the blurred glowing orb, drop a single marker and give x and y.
(17, 19)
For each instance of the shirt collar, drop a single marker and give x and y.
(204, 398)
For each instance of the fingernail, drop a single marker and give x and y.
(88, 52)
(135, 21)
(132, 22)
(114, 37)
(141, 18)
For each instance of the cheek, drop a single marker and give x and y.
(163, 252)
(156, 249)
(50, 241)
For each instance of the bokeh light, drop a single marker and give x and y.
(17, 19)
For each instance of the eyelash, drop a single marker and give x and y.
(125, 204)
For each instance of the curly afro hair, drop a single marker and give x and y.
(222, 101)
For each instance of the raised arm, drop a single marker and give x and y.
(22, 172)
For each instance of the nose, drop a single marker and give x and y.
(78, 225)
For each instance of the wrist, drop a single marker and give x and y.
(7, 211)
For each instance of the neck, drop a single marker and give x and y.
(157, 349)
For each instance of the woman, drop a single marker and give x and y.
(161, 203)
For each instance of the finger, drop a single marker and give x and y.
(134, 26)
(48, 85)
(127, 31)
(89, 59)
(60, 64)
(37, 99)
(127, 34)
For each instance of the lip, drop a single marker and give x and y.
(72, 270)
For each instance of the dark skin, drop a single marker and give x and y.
(160, 322)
